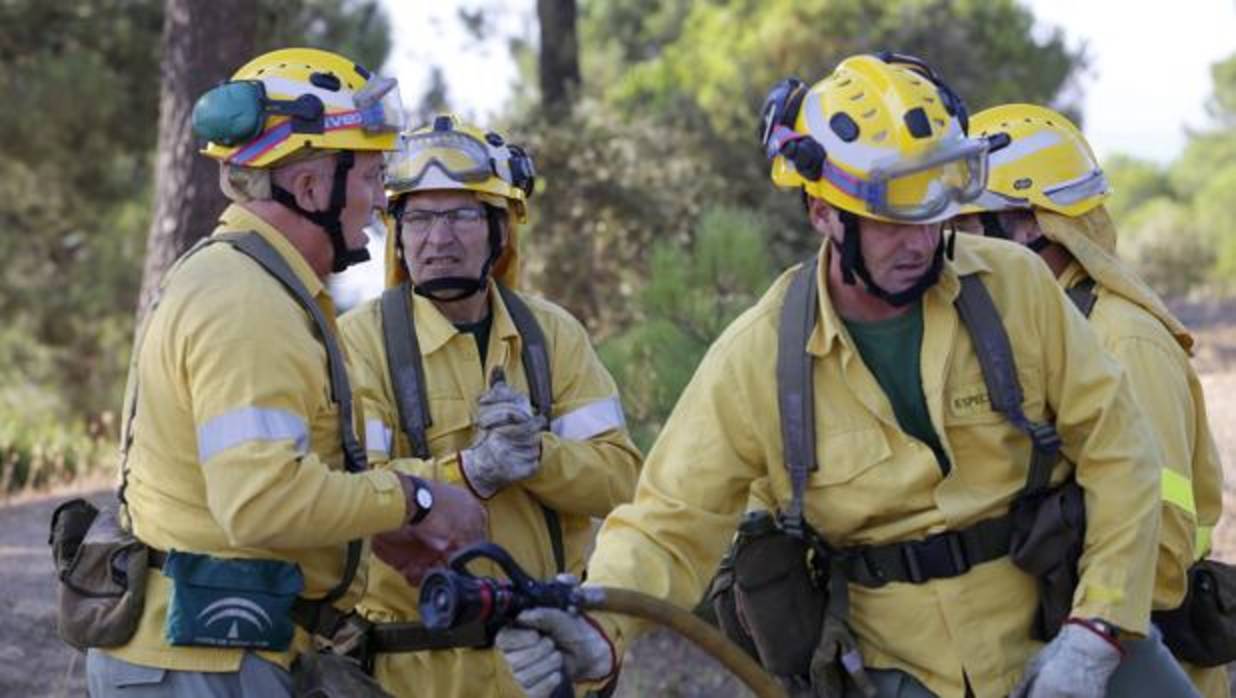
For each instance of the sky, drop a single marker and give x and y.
(1148, 80)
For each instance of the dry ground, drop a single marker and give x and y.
(33, 662)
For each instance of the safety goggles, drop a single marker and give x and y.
(457, 155)
(923, 189)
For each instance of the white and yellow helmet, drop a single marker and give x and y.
(450, 154)
(1048, 164)
(881, 137)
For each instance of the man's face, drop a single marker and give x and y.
(365, 194)
(1021, 226)
(896, 254)
(445, 233)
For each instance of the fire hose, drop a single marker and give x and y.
(453, 596)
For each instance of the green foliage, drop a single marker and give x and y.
(666, 123)
(1178, 223)
(692, 293)
(75, 188)
(1165, 247)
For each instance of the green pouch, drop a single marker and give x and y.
(231, 602)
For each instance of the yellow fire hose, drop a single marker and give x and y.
(706, 637)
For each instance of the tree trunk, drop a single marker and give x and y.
(203, 44)
(559, 66)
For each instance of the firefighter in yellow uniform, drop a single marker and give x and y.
(458, 195)
(235, 468)
(1046, 191)
(910, 452)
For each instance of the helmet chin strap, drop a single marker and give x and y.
(853, 264)
(449, 289)
(992, 227)
(330, 220)
(1039, 244)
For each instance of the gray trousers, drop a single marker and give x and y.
(108, 677)
(1148, 671)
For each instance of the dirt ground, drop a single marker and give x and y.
(33, 661)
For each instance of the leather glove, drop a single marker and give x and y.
(535, 662)
(1077, 663)
(507, 446)
(587, 654)
(495, 460)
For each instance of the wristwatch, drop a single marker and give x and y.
(1104, 627)
(424, 499)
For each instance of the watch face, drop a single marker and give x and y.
(424, 498)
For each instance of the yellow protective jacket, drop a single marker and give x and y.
(1152, 346)
(588, 464)
(236, 449)
(875, 484)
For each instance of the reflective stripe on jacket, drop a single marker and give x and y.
(236, 448)
(877, 485)
(588, 463)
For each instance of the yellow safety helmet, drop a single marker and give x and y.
(286, 101)
(1047, 164)
(881, 137)
(450, 154)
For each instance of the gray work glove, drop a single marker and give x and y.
(1077, 663)
(574, 644)
(507, 445)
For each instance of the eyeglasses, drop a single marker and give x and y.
(420, 221)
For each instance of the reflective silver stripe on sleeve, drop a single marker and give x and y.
(377, 436)
(250, 424)
(591, 419)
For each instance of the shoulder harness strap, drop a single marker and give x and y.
(535, 358)
(795, 394)
(261, 252)
(403, 359)
(995, 355)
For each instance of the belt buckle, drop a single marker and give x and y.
(935, 557)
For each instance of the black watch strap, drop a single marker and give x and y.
(422, 495)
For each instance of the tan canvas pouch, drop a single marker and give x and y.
(101, 569)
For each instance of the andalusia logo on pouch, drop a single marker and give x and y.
(219, 602)
(235, 612)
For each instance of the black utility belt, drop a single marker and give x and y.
(938, 556)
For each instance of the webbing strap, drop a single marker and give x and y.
(995, 355)
(415, 637)
(407, 373)
(535, 358)
(403, 356)
(939, 556)
(795, 394)
(256, 247)
(1083, 296)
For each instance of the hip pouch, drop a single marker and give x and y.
(777, 596)
(329, 675)
(102, 571)
(1202, 630)
(1049, 532)
(724, 607)
(220, 602)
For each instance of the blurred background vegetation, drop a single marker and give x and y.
(654, 221)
